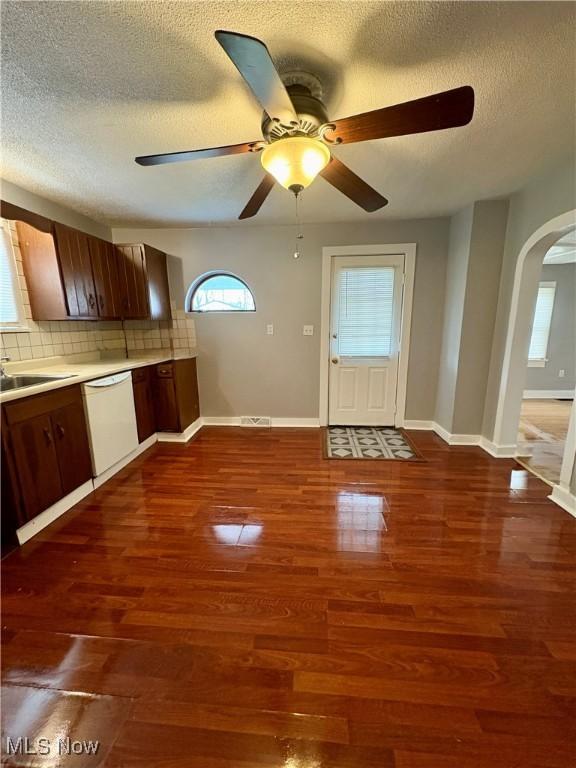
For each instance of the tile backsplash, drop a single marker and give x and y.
(70, 337)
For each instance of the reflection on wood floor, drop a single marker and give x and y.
(242, 602)
(542, 436)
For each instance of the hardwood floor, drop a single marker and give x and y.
(542, 436)
(242, 602)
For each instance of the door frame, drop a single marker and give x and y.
(408, 251)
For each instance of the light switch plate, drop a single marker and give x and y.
(561, 373)
(308, 330)
(270, 330)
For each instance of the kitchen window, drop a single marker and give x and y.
(11, 307)
(220, 292)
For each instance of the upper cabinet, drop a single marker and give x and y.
(105, 270)
(144, 275)
(76, 269)
(40, 262)
(72, 275)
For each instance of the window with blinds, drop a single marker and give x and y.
(365, 311)
(542, 322)
(11, 310)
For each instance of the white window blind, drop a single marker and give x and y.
(365, 311)
(542, 321)
(11, 310)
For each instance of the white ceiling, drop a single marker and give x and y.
(86, 86)
(563, 251)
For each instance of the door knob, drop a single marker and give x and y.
(335, 360)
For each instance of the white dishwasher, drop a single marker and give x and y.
(109, 405)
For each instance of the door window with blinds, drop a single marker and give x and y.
(365, 316)
(11, 307)
(542, 323)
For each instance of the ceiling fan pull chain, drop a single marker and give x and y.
(299, 235)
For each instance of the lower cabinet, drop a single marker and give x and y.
(49, 453)
(175, 389)
(144, 402)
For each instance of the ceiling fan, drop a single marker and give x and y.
(297, 134)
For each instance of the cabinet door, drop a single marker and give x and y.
(158, 291)
(75, 264)
(133, 281)
(42, 270)
(36, 464)
(186, 387)
(143, 403)
(165, 403)
(106, 282)
(72, 448)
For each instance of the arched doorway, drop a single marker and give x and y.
(526, 278)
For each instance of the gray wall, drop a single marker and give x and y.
(243, 371)
(474, 264)
(562, 340)
(31, 202)
(542, 199)
(480, 306)
(456, 273)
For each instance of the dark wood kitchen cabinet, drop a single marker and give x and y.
(76, 269)
(175, 390)
(42, 271)
(73, 275)
(144, 282)
(47, 441)
(104, 259)
(144, 402)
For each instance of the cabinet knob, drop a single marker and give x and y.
(48, 436)
(91, 301)
(60, 430)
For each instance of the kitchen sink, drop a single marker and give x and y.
(8, 383)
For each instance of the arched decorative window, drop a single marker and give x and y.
(219, 292)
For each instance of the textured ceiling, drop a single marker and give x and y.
(86, 86)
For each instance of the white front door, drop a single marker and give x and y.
(365, 312)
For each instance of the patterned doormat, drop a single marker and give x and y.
(369, 443)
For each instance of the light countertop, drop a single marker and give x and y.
(78, 369)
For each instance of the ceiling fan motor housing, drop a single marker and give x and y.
(311, 115)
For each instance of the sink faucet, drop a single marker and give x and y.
(3, 374)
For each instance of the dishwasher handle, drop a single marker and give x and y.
(109, 381)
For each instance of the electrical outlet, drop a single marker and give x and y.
(561, 373)
(270, 330)
(308, 330)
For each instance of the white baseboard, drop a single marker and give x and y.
(111, 471)
(38, 523)
(498, 451)
(564, 499)
(180, 437)
(548, 394)
(277, 421)
(417, 424)
(221, 421)
(292, 422)
(453, 438)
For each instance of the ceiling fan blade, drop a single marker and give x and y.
(448, 109)
(351, 185)
(196, 154)
(252, 59)
(262, 191)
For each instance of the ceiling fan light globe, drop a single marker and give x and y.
(295, 161)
